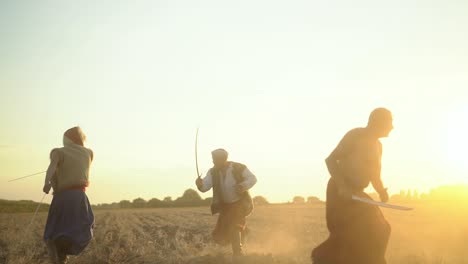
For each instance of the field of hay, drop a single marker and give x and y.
(278, 234)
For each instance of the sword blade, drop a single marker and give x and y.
(385, 205)
(12, 180)
(196, 154)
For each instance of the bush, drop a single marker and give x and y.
(125, 204)
(139, 203)
(260, 200)
(298, 200)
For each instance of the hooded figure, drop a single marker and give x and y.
(70, 221)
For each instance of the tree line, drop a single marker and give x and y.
(454, 193)
(23, 206)
(190, 198)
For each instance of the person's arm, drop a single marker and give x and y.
(376, 179)
(54, 161)
(342, 150)
(206, 183)
(381, 190)
(249, 180)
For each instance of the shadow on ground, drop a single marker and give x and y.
(226, 259)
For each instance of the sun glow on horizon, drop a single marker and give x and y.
(454, 141)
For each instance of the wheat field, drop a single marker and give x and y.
(278, 234)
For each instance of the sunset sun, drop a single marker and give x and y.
(234, 132)
(454, 141)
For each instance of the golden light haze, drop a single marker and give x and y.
(275, 84)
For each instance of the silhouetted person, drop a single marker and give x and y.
(70, 222)
(230, 182)
(358, 232)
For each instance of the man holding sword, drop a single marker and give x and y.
(230, 182)
(358, 230)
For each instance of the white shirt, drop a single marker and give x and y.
(228, 184)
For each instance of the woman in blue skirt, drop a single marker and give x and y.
(70, 222)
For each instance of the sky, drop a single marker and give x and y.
(276, 83)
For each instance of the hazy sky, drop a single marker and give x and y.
(276, 83)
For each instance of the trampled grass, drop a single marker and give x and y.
(279, 234)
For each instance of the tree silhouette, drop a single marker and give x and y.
(312, 199)
(189, 198)
(191, 195)
(409, 196)
(260, 200)
(139, 203)
(298, 200)
(125, 204)
(155, 203)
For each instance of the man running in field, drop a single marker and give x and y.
(358, 232)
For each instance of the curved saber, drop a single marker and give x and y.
(386, 205)
(196, 154)
(27, 176)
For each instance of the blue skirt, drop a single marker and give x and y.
(70, 218)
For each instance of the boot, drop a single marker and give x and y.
(244, 234)
(62, 245)
(236, 242)
(52, 251)
(62, 259)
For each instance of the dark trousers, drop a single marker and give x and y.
(57, 249)
(359, 232)
(230, 227)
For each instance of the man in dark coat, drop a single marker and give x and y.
(359, 232)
